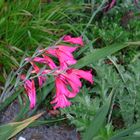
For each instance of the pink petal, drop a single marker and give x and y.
(67, 48)
(31, 92)
(61, 88)
(64, 54)
(73, 40)
(46, 60)
(73, 80)
(84, 74)
(61, 102)
(49, 61)
(51, 51)
(39, 59)
(65, 57)
(62, 92)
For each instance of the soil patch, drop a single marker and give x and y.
(44, 132)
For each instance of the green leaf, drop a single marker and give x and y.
(1, 3)
(98, 54)
(130, 138)
(123, 134)
(11, 129)
(9, 100)
(98, 120)
(43, 122)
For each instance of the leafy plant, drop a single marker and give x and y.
(129, 99)
(87, 104)
(27, 24)
(82, 110)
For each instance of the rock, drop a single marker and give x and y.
(21, 138)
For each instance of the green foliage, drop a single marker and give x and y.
(108, 75)
(24, 25)
(87, 103)
(98, 121)
(132, 133)
(99, 53)
(106, 79)
(130, 99)
(83, 110)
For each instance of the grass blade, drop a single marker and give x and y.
(124, 133)
(98, 54)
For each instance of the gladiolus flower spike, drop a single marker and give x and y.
(64, 75)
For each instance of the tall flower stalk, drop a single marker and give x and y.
(67, 79)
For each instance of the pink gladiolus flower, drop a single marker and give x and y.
(64, 54)
(41, 78)
(61, 82)
(67, 80)
(61, 93)
(29, 86)
(73, 40)
(73, 76)
(82, 74)
(70, 78)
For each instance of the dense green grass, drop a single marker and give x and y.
(25, 25)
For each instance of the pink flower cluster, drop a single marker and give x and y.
(67, 80)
